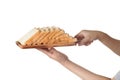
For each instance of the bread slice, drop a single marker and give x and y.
(46, 37)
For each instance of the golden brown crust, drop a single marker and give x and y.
(48, 37)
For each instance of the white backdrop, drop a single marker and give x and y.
(19, 16)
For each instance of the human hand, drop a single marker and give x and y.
(86, 37)
(54, 54)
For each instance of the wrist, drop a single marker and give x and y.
(64, 62)
(100, 35)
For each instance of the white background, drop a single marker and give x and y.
(19, 16)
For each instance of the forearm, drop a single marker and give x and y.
(83, 73)
(110, 42)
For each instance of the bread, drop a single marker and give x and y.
(46, 37)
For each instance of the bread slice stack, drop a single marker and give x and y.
(46, 37)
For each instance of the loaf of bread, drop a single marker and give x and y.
(46, 37)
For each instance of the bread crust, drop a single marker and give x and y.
(48, 37)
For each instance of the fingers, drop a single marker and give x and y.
(85, 41)
(44, 50)
(47, 51)
(83, 38)
(79, 37)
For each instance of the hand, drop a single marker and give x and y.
(86, 37)
(54, 54)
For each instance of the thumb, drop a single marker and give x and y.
(79, 37)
